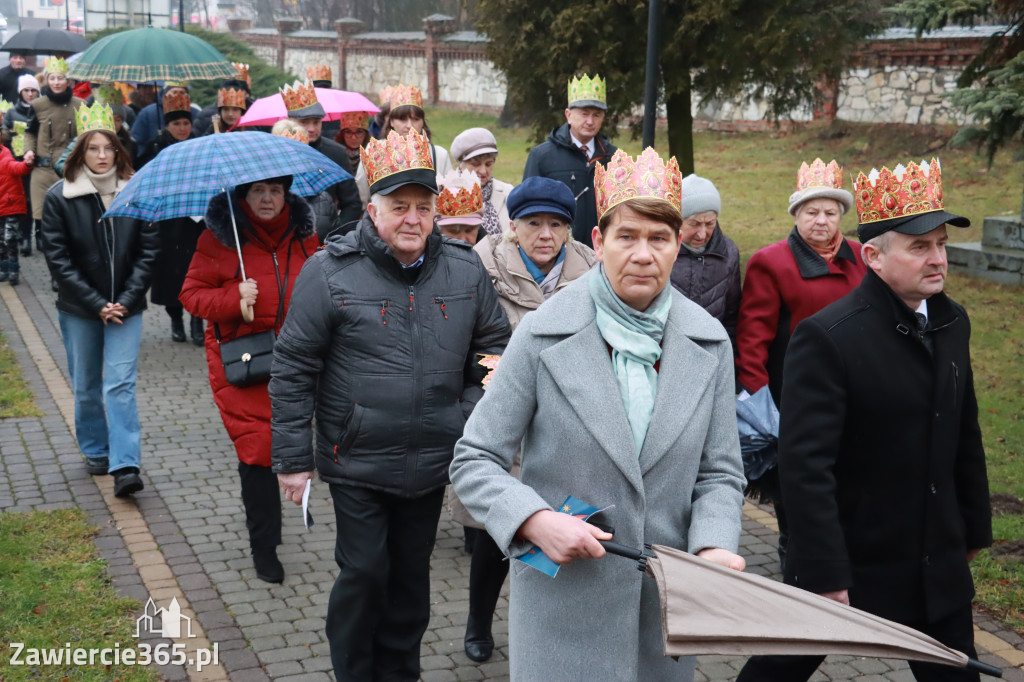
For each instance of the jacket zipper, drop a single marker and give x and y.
(417, 392)
(440, 301)
(956, 376)
(383, 310)
(110, 242)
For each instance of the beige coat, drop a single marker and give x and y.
(518, 294)
(56, 130)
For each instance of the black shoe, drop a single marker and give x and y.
(127, 481)
(479, 643)
(196, 329)
(97, 466)
(177, 330)
(14, 279)
(268, 567)
(26, 247)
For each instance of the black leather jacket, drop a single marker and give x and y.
(96, 260)
(387, 366)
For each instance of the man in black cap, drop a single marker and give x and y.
(880, 454)
(10, 74)
(381, 345)
(304, 108)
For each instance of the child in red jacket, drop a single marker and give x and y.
(12, 206)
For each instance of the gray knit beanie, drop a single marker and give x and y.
(699, 195)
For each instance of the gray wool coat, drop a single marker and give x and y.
(555, 394)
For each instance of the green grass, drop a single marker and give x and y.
(756, 172)
(53, 591)
(15, 397)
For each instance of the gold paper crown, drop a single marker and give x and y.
(818, 174)
(382, 158)
(4, 105)
(97, 117)
(587, 88)
(298, 95)
(354, 119)
(318, 72)
(901, 192)
(231, 97)
(461, 194)
(299, 134)
(56, 65)
(402, 95)
(243, 72)
(108, 94)
(648, 177)
(384, 96)
(177, 101)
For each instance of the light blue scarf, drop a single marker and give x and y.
(635, 338)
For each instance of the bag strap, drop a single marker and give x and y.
(282, 289)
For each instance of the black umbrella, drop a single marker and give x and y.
(45, 41)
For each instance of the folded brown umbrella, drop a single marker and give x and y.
(710, 609)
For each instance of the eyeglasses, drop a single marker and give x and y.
(107, 151)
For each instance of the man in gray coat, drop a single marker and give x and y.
(381, 346)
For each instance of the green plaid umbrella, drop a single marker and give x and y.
(151, 54)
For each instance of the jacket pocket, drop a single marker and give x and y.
(348, 436)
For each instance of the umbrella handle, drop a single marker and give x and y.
(247, 313)
(983, 668)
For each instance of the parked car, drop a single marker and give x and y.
(77, 26)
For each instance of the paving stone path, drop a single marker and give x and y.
(185, 537)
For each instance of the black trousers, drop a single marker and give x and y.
(261, 498)
(380, 604)
(487, 573)
(955, 631)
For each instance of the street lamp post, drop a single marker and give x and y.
(181, 15)
(651, 81)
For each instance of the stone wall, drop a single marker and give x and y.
(894, 78)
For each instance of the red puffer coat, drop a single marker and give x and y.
(210, 291)
(12, 193)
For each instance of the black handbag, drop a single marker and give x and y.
(247, 359)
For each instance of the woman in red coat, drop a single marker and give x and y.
(276, 230)
(787, 282)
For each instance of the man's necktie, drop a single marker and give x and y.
(922, 324)
(586, 151)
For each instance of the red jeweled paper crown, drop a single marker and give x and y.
(819, 174)
(318, 72)
(299, 134)
(382, 158)
(648, 176)
(354, 119)
(384, 96)
(901, 192)
(231, 97)
(177, 101)
(461, 194)
(402, 95)
(298, 95)
(243, 72)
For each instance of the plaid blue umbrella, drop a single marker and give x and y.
(183, 178)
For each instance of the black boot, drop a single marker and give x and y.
(177, 327)
(5, 270)
(26, 246)
(486, 575)
(262, 501)
(127, 482)
(14, 270)
(196, 329)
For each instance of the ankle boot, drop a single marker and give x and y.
(196, 329)
(261, 498)
(177, 328)
(14, 273)
(486, 575)
(26, 246)
(5, 270)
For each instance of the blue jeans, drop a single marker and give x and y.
(104, 362)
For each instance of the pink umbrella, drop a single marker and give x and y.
(267, 111)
